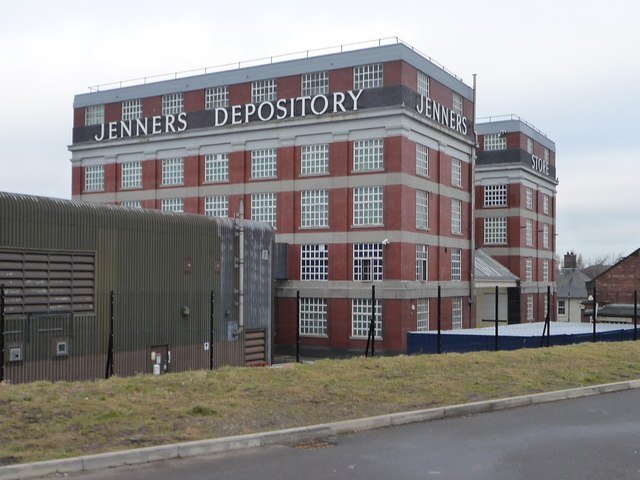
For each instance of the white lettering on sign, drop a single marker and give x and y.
(142, 126)
(540, 164)
(441, 114)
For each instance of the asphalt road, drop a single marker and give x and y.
(595, 437)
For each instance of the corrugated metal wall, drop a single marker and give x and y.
(162, 269)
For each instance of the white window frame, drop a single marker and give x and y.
(457, 104)
(456, 216)
(94, 178)
(495, 195)
(94, 115)
(367, 262)
(529, 145)
(423, 84)
(131, 203)
(456, 264)
(264, 208)
(172, 171)
(314, 208)
(546, 154)
(545, 235)
(528, 269)
(456, 172)
(530, 308)
(529, 198)
(368, 76)
(545, 204)
(456, 313)
(529, 233)
(361, 318)
(172, 205)
(315, 83)
(422, 160)
(264, 91)
(495, 230)
(131, 175)
(131, 109)
(368, 155)
(264, 163)
(216, 167)
(562, 307)
(172, 104)
(495, 141)
(545, 270)
(422, 210)
(216, 97)
(368, 205)
(314, 159)
(314, 262)
(422, 314)
(216, 206)
(313, 317)
(422, 263)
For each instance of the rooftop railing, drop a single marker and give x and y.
(265, 61)
(507, 117)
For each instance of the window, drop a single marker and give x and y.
(368, 155)
(530, 308)
(216, 206)
(131, 204)
(529, 199)
(314, 208)
(456, 216)
(495, 141)
(172, 171)
(263, 208)
(457, 104)
(528, 269)
(94, 115)
(546, 154)
(495, 195)
(529, 145)
(314, 262)
(131, 109)
(313, 316)
(264, 163)
(456, 264)
(367, 206)
(216, 167)
(422, 209)
(172, 104)
(562, 307)
(62, 348)
(545, 204)
(216, 97)
(367, 262)
(456, 172)
(422, 160)
(495, 230)
(545, 236)
(131, 175)
(264, 91)
(422, 263)
(529, 233)
(367, 76)
(423, 84)
(94, 178)
(361, 318)
(422, 314)
(315, 84)
(172, 205)
(545, 270)
(456, 313)
(315, 159)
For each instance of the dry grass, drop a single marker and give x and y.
(41, 421)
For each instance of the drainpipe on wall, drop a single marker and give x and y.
(472, 215)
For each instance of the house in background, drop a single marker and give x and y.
(572, 290)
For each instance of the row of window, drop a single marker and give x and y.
(313, 317)
(315, 83)
(496, 196)
(498, 141)
(495, 232)
(528, 270)
(368, 262)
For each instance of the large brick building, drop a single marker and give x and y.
(361, 160)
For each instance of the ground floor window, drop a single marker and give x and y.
(313, 316)
(422, 314)
(361, 318)
(456, 313)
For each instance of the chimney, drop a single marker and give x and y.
(570, 260)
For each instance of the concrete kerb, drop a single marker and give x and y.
(293, 435)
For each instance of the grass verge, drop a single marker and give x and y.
(42, 421)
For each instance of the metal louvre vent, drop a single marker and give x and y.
(40, 282)
(312, 445)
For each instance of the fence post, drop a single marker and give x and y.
(496, 319)
(2, 327)
(595, 313)
(211, 324)
(109, 370)
(298, 326)
(439, 339)
(635, 314)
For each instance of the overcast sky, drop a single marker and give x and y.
(570, 68)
